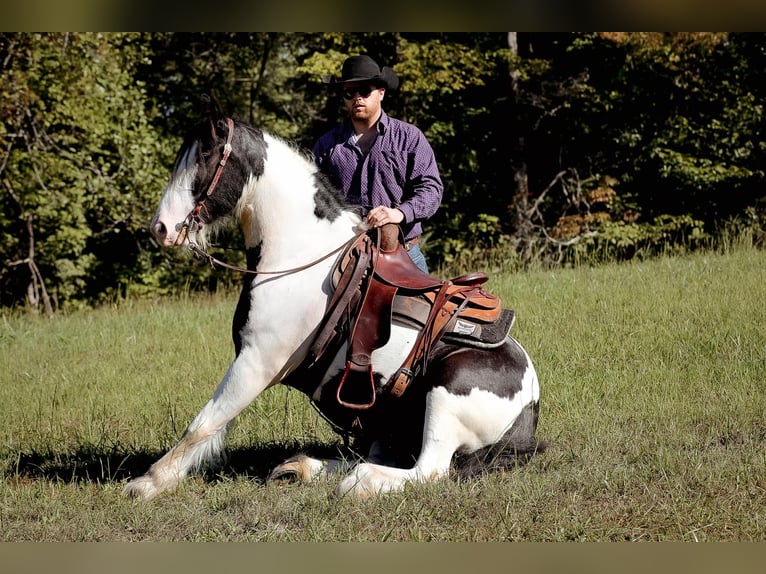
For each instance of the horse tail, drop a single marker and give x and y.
(515, 448)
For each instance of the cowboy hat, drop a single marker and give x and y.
(364, 69)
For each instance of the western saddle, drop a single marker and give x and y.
(376, 282)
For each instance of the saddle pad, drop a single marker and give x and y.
(466, 331)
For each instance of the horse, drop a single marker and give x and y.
(471, 410)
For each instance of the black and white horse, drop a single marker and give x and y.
(475, 405)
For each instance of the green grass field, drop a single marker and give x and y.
(653, 378)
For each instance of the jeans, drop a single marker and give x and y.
(417, 258)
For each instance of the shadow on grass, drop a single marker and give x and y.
(89, 464)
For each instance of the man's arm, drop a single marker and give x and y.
(423, 189)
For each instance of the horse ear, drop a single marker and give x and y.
(210, 106)
(214, 114)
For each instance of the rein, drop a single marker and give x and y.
(202, 254)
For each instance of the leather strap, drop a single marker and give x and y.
(344, 298)
(437, 323)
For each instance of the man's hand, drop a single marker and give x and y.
(381, 215)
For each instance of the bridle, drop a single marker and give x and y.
(192, 222)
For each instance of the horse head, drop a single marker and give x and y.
(210, 171)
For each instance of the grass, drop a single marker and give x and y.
(653, 380)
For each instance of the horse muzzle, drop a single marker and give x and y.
(168, 236)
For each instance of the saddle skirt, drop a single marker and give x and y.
(376, 283)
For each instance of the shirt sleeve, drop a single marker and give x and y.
(424, 191)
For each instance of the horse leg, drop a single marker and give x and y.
(202, 441)
(481, 397)
(441, 437)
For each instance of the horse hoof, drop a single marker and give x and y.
(299, 467)
(141, 488)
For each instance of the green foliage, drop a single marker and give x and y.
(82, 164)
(482, 237)
(682, 125)
(89, 124)
(622, 240)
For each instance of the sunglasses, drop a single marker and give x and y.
(350, 93)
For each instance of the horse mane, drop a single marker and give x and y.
(330, 201)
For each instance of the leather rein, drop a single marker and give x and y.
(193, 221)
(202, 254)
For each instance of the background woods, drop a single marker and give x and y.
(554, 148)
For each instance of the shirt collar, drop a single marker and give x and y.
(381, 126)
(382, 122)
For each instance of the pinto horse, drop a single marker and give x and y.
(476, 406)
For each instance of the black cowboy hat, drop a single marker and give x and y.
(365, 69)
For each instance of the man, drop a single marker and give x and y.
(383, 164)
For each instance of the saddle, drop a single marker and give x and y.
(376, 283)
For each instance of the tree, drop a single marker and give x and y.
(80, 162)
(549, 145)
(656, 136)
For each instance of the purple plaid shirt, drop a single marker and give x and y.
(398, 171)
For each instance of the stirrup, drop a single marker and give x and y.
(356, 406)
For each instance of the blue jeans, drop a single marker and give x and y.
(417, 258)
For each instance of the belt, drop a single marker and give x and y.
(410, 243)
